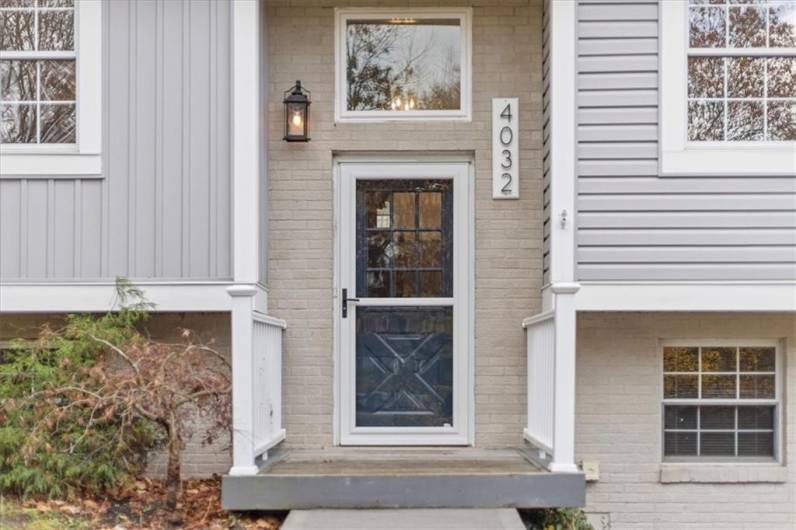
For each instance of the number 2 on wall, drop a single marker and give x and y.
(507, 186)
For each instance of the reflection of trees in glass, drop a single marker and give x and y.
(403, 66)
(756, 104)
(37, 90)
(712, 25)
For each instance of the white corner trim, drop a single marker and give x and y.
(83, 159)
(563, 86)
(687, 296)
(343, 115)
(96, 297)
(677, 157)
(246, 122)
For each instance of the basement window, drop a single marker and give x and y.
(721, 401)
(403, 65)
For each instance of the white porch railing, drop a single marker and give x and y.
(256, 381)
(551, 382)
(540, 335)
(267, 365)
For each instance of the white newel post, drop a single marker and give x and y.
(245, 195)
(564, 286)
(242, 381)
(564, 385)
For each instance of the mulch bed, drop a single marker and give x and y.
(141, 506)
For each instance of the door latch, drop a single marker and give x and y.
(346, 299)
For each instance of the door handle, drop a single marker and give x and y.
(346, 299)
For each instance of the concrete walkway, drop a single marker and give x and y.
(409, 519)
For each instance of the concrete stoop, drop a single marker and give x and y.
(405, 519)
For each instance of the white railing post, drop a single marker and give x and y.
(243, 373)
(564, 380)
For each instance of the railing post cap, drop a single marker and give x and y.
(242, 290)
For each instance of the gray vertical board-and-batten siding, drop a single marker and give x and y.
(634, 224)
(162, 207)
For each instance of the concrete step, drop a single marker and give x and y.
(408, 519)
(399, 478)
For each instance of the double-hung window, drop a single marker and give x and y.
(50, 87)
(402, 64)
(728, 87)
(721, 401)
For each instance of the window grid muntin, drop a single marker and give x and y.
(728, 51)
(38, 57)
(736, 403)
(736, 430)
(417, 187)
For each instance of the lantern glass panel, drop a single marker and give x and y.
(296, 119)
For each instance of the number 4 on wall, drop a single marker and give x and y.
(505, 155)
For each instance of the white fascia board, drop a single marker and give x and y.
(687, 296)
(92, 297)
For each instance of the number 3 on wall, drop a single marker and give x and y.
(505, 121)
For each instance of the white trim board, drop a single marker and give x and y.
(95, 297)
(686, 296)
(246, 134)
(563, 141)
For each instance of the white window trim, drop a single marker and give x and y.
(677, 156)
(342, 15)
(778, 402)
(84, 158)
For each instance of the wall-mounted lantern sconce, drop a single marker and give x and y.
(297, 113)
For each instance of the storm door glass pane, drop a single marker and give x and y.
(404, 238)
(404, 366)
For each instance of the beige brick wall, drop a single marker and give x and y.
(619, 423)
(199, 459)
(506, 62)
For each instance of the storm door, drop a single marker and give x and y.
(403, 303)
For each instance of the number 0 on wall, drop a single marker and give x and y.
(505, 154)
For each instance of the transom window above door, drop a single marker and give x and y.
(403, 64)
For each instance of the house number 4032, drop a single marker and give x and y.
(505, 156)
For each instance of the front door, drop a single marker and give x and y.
(403, 303)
